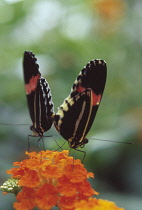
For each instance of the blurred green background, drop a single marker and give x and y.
(65, 35)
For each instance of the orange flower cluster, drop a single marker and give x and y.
(51, 179)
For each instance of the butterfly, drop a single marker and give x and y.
(39, 99)
(77, 113)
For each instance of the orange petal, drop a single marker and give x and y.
(24, 205)
(30, 179)
(66, 188)
(66, 203)
(25, 193)
(51, 171)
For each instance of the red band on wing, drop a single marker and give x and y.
(31, 86)
(96, 99)
(80, 89)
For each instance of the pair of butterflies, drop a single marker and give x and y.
(76, 115)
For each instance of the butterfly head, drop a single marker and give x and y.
(37, 131)
(75, 144)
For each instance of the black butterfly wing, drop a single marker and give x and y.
(31, 78)
(92, 76)
(73, 117)
(81, 106)
(38, 95)
(31, 71)
(42, 107)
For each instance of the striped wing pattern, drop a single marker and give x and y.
(38, 94)
(77, 113)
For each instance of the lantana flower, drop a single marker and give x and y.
(51, 178)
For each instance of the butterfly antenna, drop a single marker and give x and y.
(121, 142)
(15, 124)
